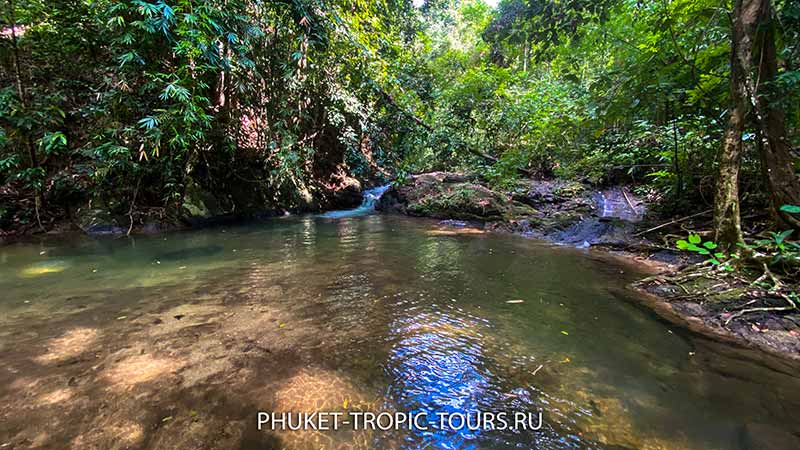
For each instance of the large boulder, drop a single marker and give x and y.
(199, 203)
(95, 218)
(346, 194)
(446, 195)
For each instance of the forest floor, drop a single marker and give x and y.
(747, 307)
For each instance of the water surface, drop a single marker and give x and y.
(176, 341)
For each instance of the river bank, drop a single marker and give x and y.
(733, 307)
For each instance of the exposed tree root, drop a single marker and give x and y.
(765, 309)
(767, 285)
(776, 283)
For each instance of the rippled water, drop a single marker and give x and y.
(372, 313)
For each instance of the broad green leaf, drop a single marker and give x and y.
(791, 209)
(780, 237)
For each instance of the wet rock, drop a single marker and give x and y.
(766, 437)
(557, 210)
(200, 204)
(449, 196)
(348, 196)
(97, 220)
(524, 226)
(618, 202)
(453, 223)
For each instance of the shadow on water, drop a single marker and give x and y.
(177, 341)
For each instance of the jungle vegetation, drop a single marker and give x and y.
(135, 104)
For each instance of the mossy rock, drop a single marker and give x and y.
(198, 203)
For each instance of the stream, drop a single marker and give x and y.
(177, 340)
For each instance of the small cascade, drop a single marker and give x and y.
(371, 196)
(616, 203)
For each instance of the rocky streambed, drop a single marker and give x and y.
(561, 211)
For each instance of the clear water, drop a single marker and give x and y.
(176, 341)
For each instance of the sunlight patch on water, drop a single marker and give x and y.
(319, 390)
(43, 268)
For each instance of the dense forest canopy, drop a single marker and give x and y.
(139, 106)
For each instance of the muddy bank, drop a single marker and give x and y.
(707, 300)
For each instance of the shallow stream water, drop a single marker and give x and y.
(176, 341)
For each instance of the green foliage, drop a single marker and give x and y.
(694, 243)
(290, 97)
(777, 248)
(610, 91)
(157, 93)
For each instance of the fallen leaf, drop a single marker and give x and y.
(564, 333)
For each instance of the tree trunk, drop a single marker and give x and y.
(727, 219)
(37, 195)
(776, 158)
(526, 57)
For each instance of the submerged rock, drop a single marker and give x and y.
(190, 253)
(767, 437)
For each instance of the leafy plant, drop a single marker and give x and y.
(694, 243)
(778, 248)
